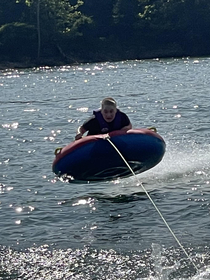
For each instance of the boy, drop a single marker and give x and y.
(105, 120)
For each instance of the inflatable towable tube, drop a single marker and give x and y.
(93, 158)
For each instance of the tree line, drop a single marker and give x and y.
(71, 31)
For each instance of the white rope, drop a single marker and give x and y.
(165, 222)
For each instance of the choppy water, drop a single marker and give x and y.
(54, 230)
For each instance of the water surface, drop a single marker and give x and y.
(54, 230)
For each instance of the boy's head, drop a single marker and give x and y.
(108, 101)
(108, 109)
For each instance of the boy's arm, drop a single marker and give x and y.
(127, 127)
(80, 132)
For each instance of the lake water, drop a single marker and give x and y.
(51, 229)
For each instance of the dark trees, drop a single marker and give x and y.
(93, 30)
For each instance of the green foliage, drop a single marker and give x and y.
(17, 40)
(56, 16)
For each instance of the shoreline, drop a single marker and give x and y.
(8, 65)
(97, 58)
(23, 65)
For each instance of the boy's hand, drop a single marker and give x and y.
(78, 136)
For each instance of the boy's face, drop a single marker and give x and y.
(108, 112)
